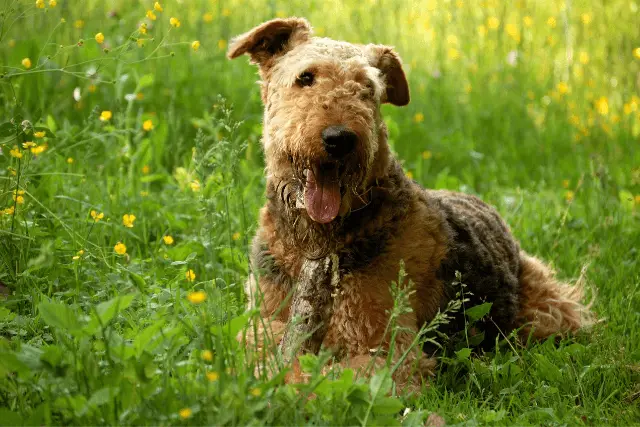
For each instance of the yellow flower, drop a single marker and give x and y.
(602, 105)
(168, 240)
(70, 160)
(453, 53)
(255, 391)
(106, 115)
(147, 125)
(26, 63)
(15, 152)
(636, 53)
(427, 155)
(96, 216)
(120, 248)
(139, 96)
(157, 7)
(40, 4)
(569, 195)
(143, 28)
(146, 169)
(207, 17)
(584, 57)
(151, 15)
(78, 255)
(195, 186)
(213, 376)
(196, 297)
(574, 120)
(565, 183)
(185, 413)
(513, 32)
(236, 236)
(174, 22)
(39, 149)
(18, 196)
(10, 210)
(528, 21)
(586, 18)
(12, 171)
(563, 88)
(190, 275)
(207, 355)
(551, 22)
(79, 24)
(128, 219)
(28, 144)
(482, 30)
(195, 45)
(226, 12)
(75, 257)
(53, 3)
(409, 174)
(99, 38)
(419, 117)
(222, 44)
(140, 42)
(493, 22)
(637, 199)
(39, 134)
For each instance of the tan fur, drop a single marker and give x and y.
(549, 306)
(384, 217)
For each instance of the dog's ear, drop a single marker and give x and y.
(270, 39)
(390, 65)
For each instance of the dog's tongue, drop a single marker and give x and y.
(322, 195)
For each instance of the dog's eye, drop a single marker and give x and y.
(305, 79)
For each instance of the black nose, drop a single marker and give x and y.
(338, 141)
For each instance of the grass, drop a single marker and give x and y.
(531, 105)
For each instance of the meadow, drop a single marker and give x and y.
(131, 175)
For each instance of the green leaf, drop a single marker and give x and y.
(107, 311)
(7, 129)
(232, 328)
(380, 383)
(102, 396)
(145, 81)
(548, 370)
(9, 362)
(477, 312)
(626, 200)
(463, 354)
(59, 316)
(9, 418)
(139, 281)
(387, 405)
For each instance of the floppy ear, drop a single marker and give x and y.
(270, 39)
(390, 65)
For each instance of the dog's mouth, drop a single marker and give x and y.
(322, 194)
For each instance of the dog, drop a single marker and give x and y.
(333, 186)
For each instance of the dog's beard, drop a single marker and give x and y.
(315, 239)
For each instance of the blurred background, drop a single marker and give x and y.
(130, 165)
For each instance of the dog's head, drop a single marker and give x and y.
(322, 123)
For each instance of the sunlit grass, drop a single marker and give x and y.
(131, 177)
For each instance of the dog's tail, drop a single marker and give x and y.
(547, 305)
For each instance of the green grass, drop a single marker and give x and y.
(113, 339)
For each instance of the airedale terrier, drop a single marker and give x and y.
(333, 186)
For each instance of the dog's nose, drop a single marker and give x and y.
(338, 141)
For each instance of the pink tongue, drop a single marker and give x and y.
(322, 195)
